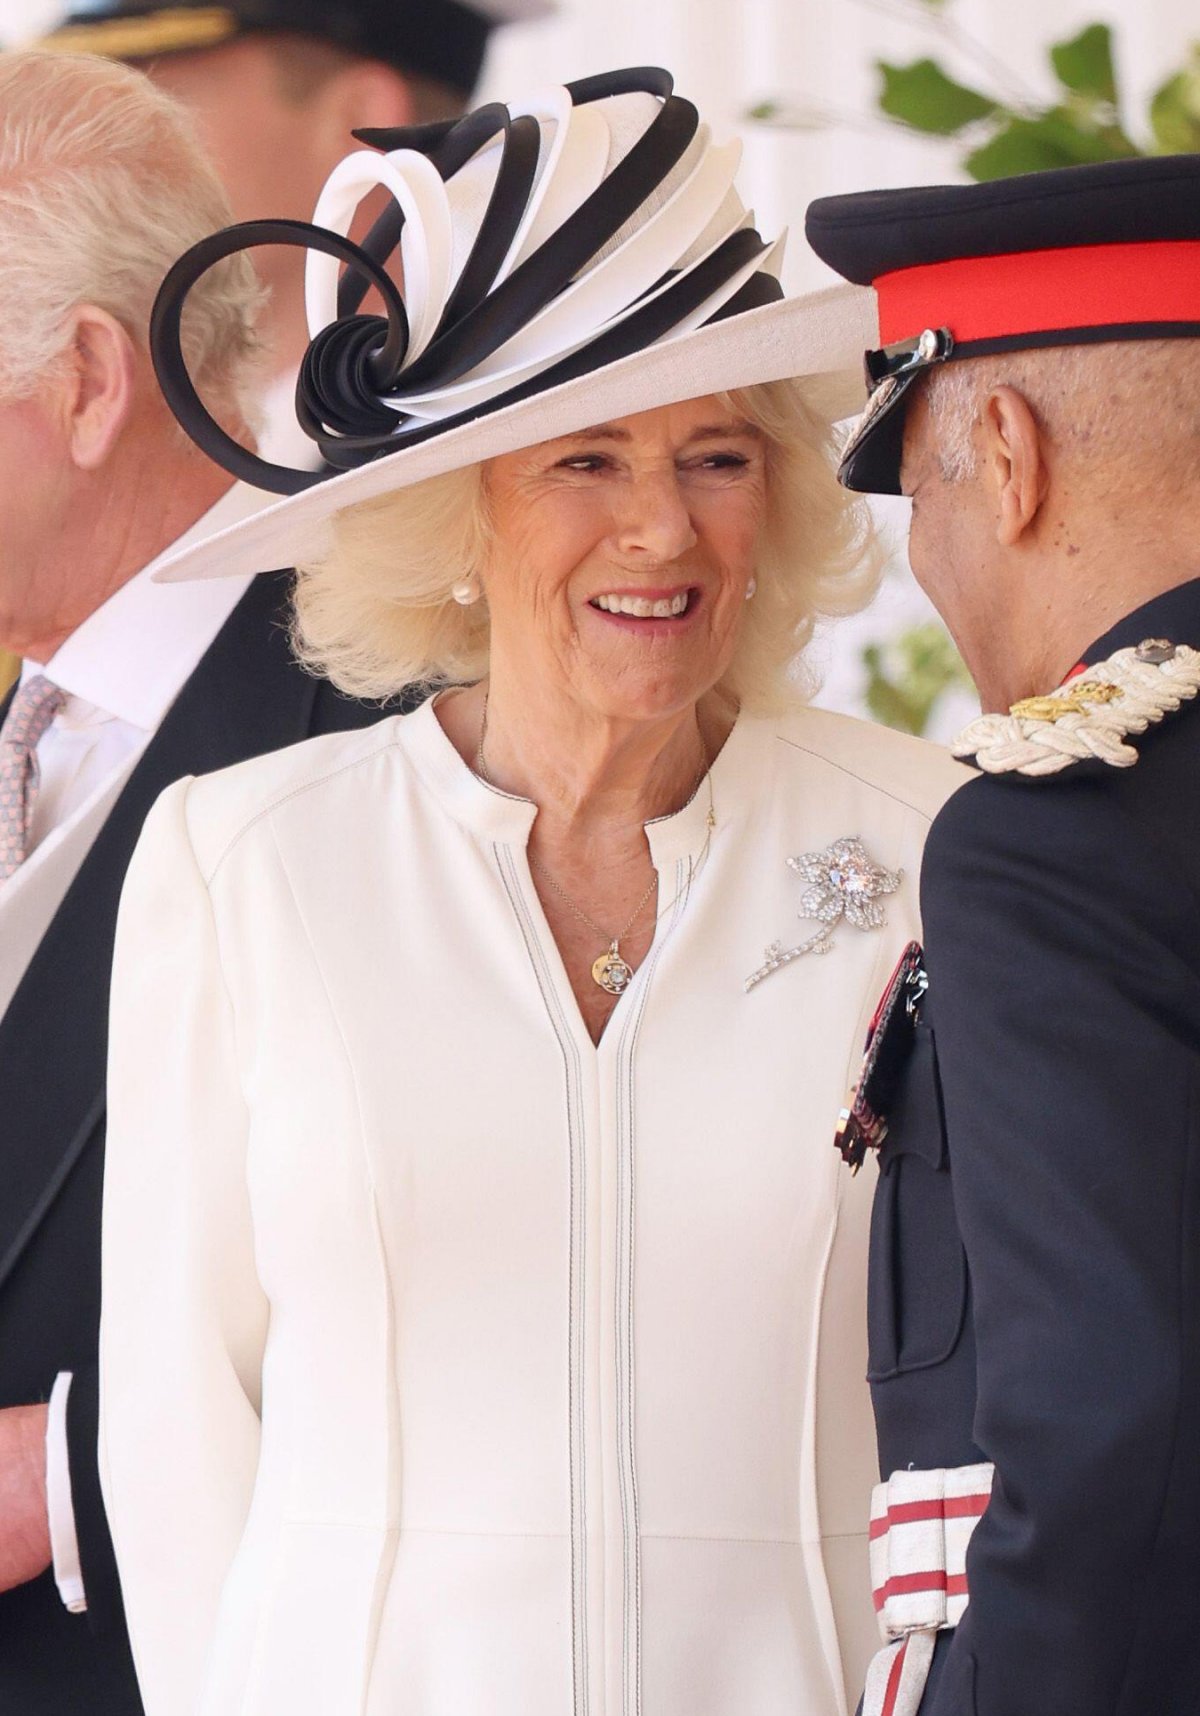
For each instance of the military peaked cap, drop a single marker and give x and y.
(442, 39)
(1074, 256)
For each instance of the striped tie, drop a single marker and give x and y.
(32, 710)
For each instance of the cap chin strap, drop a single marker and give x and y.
(904, 357)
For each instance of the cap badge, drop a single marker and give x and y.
(843, 882)
(163, 30)
(1088, 718)
(909, 357)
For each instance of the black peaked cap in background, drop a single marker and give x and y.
(441, 39)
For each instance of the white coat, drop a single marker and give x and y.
(453, 1366)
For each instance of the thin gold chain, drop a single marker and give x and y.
(613, 941)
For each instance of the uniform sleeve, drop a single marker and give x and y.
(183, 1315)
(1064, 990)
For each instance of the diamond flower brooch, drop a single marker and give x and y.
(843, 882)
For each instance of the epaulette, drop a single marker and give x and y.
(1089, 717)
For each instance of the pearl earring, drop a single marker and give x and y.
(467, 592)
(751, 587)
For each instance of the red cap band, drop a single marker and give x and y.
(1043, 291)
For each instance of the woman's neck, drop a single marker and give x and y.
(596, 784)
(585, 773)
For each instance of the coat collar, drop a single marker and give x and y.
(1175, 616)
(246, 696)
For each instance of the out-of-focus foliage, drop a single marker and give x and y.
(907, 676)
(924, 96)
(1002, 127)
(1175, 109)
(1082, 124)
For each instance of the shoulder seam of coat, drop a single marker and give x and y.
(267, 810)
(926, 816)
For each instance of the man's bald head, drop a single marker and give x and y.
(1053, 491)
(1119, 412)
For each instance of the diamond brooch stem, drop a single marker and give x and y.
(779, 956)
(842, 882)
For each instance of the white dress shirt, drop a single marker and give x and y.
(121, 671)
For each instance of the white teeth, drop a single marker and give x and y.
(640, 608)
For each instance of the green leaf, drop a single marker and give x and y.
(907, 676)
(921, 95)
(1175, 112)
(886, 702)
(1055, 139)
(1084, 65)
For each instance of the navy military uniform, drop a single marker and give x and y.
(1033, 1090)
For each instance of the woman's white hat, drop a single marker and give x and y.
(569, 259)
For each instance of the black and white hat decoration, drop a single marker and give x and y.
(541, 243)
(538, 241)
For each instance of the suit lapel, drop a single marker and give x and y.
(246, 697)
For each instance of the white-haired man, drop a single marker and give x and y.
(1033, 1087)
(126, 685)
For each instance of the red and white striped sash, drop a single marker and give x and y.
(921, 1524)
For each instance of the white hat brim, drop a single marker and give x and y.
(819, 338)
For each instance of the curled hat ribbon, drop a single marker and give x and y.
(572, 264)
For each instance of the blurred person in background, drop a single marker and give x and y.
(126, 686)
(277, 87)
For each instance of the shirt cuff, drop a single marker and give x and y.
(64, 1543)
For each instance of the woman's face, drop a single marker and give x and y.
(621, 556)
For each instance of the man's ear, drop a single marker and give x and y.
(100, 388)
(364, 94)
(1015, 462)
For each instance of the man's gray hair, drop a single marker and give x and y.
(1136, 398)
(103, 185)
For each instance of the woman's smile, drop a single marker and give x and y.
(657, 612)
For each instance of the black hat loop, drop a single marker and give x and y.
(543, 244)
(179, 390)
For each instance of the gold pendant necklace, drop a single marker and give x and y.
(610, 971)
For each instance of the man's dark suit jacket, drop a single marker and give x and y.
(1035, 1264)
(247, 696)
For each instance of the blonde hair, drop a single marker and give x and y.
(375, 613)
(103, 184)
